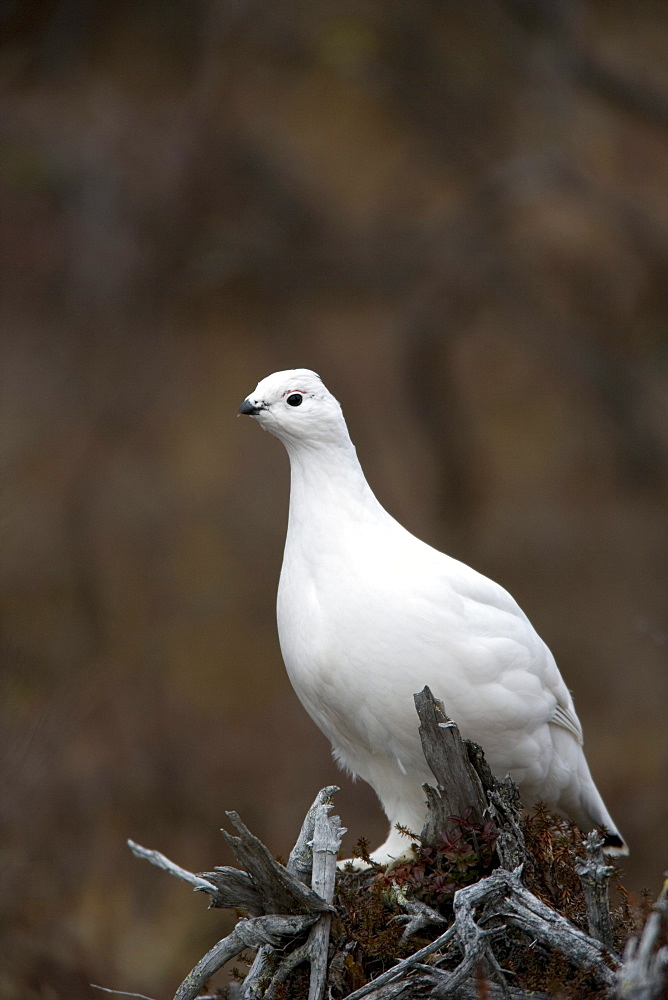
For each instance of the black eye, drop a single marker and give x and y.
(295, 399)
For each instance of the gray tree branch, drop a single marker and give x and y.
(283, 907)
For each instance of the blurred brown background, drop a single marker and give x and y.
(457, 213)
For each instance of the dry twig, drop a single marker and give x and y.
(283, 907)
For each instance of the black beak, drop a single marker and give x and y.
(249, 408)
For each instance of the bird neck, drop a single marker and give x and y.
(328, 487)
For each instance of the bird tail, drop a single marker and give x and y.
(614, 845)
(591, 813)
(581, 800)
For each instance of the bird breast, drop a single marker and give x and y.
(359, 636)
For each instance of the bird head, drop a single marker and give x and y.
(296, 407)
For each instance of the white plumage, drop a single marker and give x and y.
(368, 614)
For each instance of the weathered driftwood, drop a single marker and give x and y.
(273, 930)
(595, 878)
(459, 789)
(277, 890)
(407, 965)
(502, 895)
(503, 806)
(289, 920)
(505, 809)
(416, 916)
(259, 974)
(325, 844)
(465, 783)
(282, 907)
(422, 982)
(327, 833)
(160, 861)
(300, 861)
(643, 974)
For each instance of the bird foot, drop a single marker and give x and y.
(378, 858)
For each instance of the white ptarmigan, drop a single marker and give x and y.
(368, 614)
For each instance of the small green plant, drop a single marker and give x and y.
(463, 855)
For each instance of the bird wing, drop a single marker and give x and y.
(564, 716)
(491, 607)
(384, 601)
